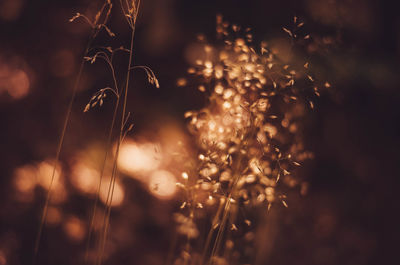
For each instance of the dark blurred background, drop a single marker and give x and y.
(349, 213)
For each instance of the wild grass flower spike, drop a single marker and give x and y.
(248, 135)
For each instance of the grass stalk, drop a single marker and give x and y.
(59, 148)
(110, 193)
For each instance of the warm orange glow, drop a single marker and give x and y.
(181, 82)
(270, 129)
(25, 178)
(162, 184)
(19, 84)
(84, 178)
(74, 228)
(13, 80)
(135, 158)
(44, 179)
(185, 175)
(105, 192)
(173, 140)
(45, 172)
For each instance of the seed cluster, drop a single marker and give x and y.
(248, 135)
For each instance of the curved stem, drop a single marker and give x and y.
(115, 166)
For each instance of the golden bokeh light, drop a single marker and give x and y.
(18, 84)
(46, 180)
(116, 189)
(45, 171)
(162, 184)
(84, 178)
(14, 78)
(28, 177)
(137, 158)
(25, 178)
(74, 228)
(173, 141)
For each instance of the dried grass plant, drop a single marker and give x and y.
(130, 11)
(248, 137)
(249, 140)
